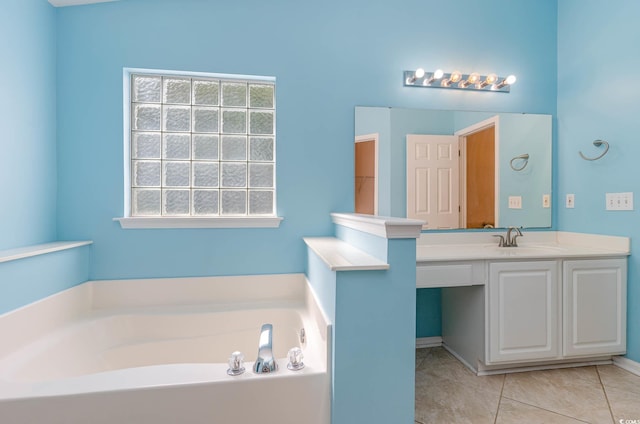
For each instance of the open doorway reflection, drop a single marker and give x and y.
(478, 187)
(366, 187)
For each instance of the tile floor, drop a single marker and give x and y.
(447, 392)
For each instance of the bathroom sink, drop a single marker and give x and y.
(528, 250)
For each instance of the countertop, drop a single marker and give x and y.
(341, 256)
(541, 245)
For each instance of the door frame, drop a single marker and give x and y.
(360, 139)
(462, 134)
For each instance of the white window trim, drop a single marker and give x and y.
(134, 222)
(145, 222)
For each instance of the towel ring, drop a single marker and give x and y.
(597, 143)
(524, 158)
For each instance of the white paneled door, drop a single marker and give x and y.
(433, 180)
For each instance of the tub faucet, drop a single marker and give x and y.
(265, 362)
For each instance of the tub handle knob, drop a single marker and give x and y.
(236, 363)
(295, 359)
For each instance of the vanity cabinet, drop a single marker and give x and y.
(523, 310)
(594, 307)
(535, 311)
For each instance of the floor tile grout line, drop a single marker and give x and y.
(502, 405)
(545, 409)
(606, 397)
(504, 379)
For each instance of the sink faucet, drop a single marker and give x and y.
(508, 240)
(511, 241)
(265, 362)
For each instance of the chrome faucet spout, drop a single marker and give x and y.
(265, 362)
(511, 241)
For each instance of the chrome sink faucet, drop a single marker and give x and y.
(265, 362)
(509, 240)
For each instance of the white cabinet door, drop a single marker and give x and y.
(523, 301)
(595, 307)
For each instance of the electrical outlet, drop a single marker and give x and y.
(571, 201)
(546, 201)
(515, 202)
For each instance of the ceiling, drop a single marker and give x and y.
(60, 3)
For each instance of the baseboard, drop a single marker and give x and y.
(542, 367)
(627, 364)
(461, 359)
(423, 342)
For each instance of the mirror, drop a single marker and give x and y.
(464, 169)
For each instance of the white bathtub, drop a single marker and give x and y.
(156, 351)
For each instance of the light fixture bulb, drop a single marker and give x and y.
(473, 78)
(507, 81)
(419, 73)
(455, 76)
(436, 75)
(489, 80)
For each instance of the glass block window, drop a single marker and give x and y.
(201, 145)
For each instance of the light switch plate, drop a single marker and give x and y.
(515, 202)
(571, 201)
(627, 201)
(619, 201)
(546, 200)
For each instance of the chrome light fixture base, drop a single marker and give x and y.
(458, 81)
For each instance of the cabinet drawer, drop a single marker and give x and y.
(450, 274)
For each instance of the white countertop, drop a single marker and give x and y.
(39, 249)
(341, 256)
(381, 226)
(540, 245)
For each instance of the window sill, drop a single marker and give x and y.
(196, 222)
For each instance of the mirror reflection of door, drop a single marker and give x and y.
(480, 179)
(365, 189)
(452, 181)
(433, 180)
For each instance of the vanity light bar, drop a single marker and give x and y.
(457, 80)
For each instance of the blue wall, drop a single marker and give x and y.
(533, 181)
(28, 118)
(597, 100)
(327, 57)
(28, 156)
(362, 305)
(30, 279)
(367, 389)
